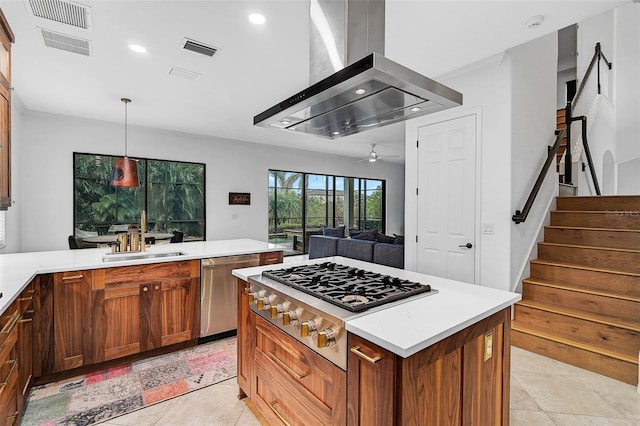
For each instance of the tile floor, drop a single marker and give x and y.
(543, 392)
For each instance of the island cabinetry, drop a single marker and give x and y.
(461, 380)
(9, 365)
(71, 319)
(293, 384)
(271, 257)
(139, 308)
(246, 340)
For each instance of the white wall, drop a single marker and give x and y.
(485, 87)
(533, 121)
(45, 171)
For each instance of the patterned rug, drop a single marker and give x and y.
(103, 395)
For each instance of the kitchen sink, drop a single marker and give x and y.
(114, 257)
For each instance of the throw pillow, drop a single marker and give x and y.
(385, 239)
(399, 239)
(333, 232)
(364, 235)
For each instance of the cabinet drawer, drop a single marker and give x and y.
(8, 391)
(270, 258)
(8, 335)
(317, 384)
(149, 273)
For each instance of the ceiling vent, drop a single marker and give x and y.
(66, 42)
(64, 12)
(198, 47)
(182, 73)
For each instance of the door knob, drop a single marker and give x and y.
(468, 245)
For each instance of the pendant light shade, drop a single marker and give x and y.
(125, 170)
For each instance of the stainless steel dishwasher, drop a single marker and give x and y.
(219, 293)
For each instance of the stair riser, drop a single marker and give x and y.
(603, 203)
(608, 338)
(601, 364)
(592, 237)
(606, 259)
(612, 219)
(624, 285)
(619, 309)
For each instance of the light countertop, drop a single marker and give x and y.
(18, 269)
(407, 328)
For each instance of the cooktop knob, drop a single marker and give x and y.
(307, 328)
(252, 297)
(326, 338)
(263, 303)
(277, 310)
(288, 317)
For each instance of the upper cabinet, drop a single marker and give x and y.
(6, 38)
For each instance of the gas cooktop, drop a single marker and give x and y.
(349, 288)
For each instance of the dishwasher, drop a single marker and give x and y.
(219, 293)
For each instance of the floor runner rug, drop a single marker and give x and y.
(104, 395)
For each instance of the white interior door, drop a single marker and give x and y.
(447, 199)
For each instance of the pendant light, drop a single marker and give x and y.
(125, 170)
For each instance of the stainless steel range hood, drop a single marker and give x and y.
(371, 92)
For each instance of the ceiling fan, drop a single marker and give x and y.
(373, 155)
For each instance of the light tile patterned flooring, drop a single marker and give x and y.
(543, 392)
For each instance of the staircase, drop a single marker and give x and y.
(581, 304)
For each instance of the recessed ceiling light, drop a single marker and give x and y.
(360, 91)
(137, 48)
(257, 18)
(336, 133)
(285, 122)
(415, 109)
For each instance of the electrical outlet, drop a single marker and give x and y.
(487, 228)
(488, 346)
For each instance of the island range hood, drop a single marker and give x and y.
(372, 91)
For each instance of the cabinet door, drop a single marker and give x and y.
(371, 381)
(25, 342)
(174, 311)
(5, 149)
(246, 340)
(72, 320)
(116, 321)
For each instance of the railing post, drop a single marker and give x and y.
(567, 152)
(599, 54)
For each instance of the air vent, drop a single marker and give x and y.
(182, 73)
(64, 12)
(197, 47)
(66, 43)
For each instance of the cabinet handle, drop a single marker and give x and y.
(272, 405)
(145, 288)
(13, 367)
(12, 417)
(25, 320)
(12, 323)
(372, 360)
(23, 299)
(73, 277)
(286, 367)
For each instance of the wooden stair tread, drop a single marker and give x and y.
(588, 316)
(583, 267)
(545, 283)
(624, 250)
(587, 228)
(532, 331)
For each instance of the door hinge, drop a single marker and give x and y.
(417, 144)
(416, 191)
(416, 238)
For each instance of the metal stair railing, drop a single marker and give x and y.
(521, 215)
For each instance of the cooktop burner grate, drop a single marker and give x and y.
(350, 288)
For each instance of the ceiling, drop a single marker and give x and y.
(255, 67)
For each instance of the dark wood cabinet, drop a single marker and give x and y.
(246, 340)
(71, 319)
(461, 380)
(139, 308)
(6, 38)
(9, 365)
(26, 304)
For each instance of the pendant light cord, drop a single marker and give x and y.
(126, 102)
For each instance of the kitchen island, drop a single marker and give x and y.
(440, 358)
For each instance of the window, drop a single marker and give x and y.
(301, 204)
(171, 192)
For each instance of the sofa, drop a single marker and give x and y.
(372, 247)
